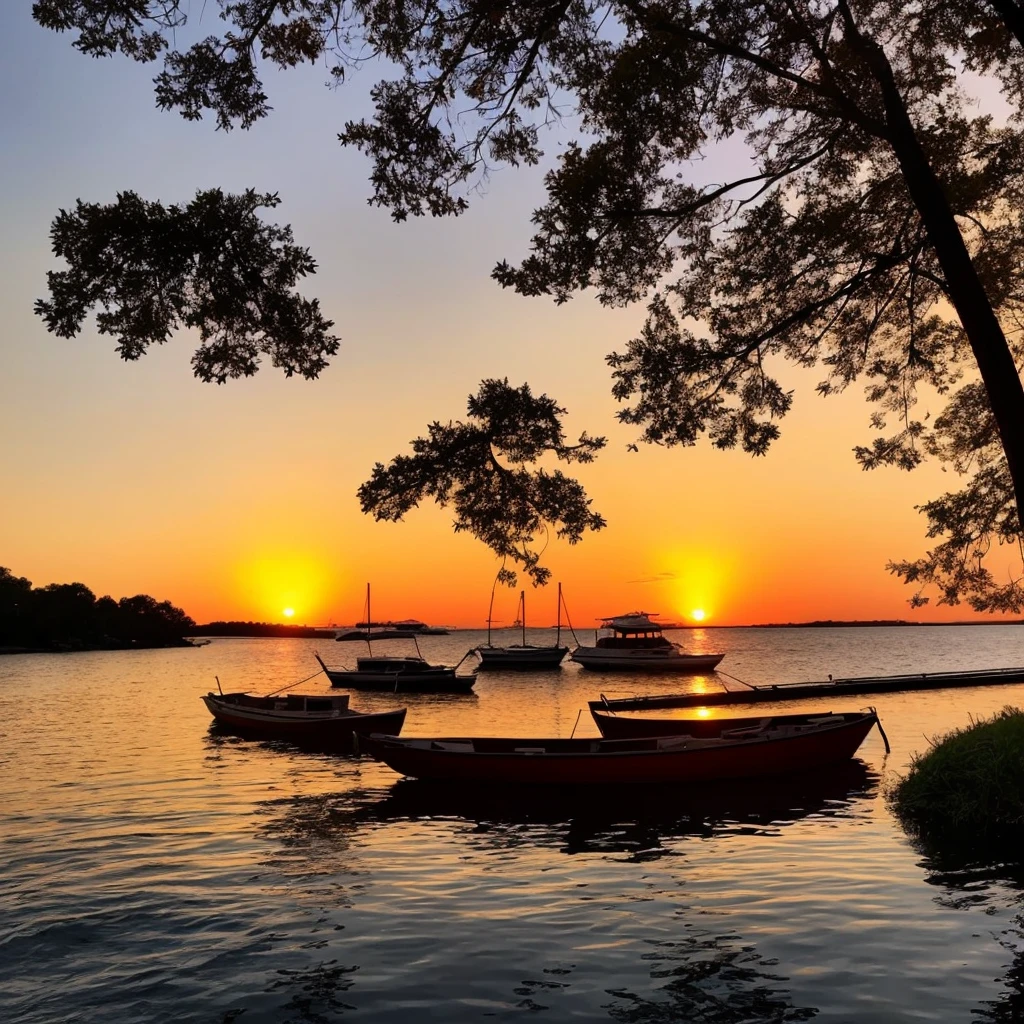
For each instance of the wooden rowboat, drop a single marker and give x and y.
(323, 719)
(777, 748)
(620, 727)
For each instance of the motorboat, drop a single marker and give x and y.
(767, 749)
(523, 656)
(634, 642)
(324, 719)
(411, 674)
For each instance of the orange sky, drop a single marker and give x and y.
(239, 501)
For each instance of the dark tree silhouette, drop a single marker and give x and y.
(878, 197)
(67, 616)
(485, 468)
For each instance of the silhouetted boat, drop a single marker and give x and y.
(615, 727)
(379, 634)
(324, 719)
(409, 674)
(523, 656)
(634, 643)
(773, 749)
(400, 675)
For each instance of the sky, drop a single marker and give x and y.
(238, 501)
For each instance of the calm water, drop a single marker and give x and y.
(151, 870)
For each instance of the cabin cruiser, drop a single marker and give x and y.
(634, 643)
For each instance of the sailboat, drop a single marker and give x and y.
(523, 656)
(409, 674)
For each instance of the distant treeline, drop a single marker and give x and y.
(69, 617)
(261, 629)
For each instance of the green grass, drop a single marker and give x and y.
(968, 790)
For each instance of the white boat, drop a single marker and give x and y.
(634, 643)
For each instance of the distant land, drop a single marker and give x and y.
(262, 629)
(844, 623)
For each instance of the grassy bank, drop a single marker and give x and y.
(968, 790)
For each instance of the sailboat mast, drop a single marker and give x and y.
(368, 623)
(558, 626)
(522, 613)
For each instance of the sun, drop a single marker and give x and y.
(288, 612)
(697, 614)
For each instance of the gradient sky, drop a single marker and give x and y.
(238, 501)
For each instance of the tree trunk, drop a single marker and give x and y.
(966, 292)
(1012, 15)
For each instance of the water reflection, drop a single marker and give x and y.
(970, 882)
(635, 820)
(670, 959)
(714, 979)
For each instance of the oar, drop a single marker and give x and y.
(738, 680)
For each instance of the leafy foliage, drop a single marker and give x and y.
(878, 197)
(211, 265)
(66, 616)
(486, 469)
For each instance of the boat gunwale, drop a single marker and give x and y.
(848, 720)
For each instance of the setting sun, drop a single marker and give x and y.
(697, 615)
(288, 612)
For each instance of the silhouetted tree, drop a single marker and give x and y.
(65, 616)
(15, 593)
(485, 469)
(878, 196)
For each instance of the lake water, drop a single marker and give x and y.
(152, 870)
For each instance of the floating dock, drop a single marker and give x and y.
(829, 688)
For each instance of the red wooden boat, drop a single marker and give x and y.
(770, 748)
(323, 719)
(620, 727)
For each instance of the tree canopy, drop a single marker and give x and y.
(486, 469)
(876, 234)
(68, 616)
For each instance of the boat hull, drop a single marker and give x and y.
(521, 659)
(600, 659)
(321, 728)
(616, 762)
(442, 681)
(615, 727)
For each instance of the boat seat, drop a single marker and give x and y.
(672, 742)
(745, 731)
(461, 748)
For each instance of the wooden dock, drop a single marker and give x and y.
(854, 686)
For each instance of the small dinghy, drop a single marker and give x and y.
(759, 750)
(321, 719)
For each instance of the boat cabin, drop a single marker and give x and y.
(633, 631)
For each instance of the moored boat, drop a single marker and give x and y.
(625, 727)
(312, 718)
(771, 749)
(400, 675)
(409, 674)
(635, 643)
(523, 656)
